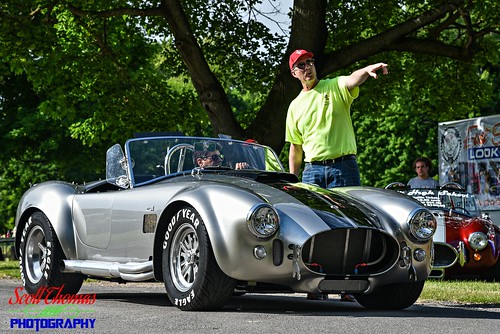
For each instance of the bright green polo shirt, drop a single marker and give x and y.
(320, 120)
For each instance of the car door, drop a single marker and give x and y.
(92, 220)
(133, 222)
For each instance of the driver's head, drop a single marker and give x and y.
(209, 158)
(207, 154)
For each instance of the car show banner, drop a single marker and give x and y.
(469, 154)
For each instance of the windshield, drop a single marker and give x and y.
(445, 199)
(154, 157)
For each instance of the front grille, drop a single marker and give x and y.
(343, 252)
(445, 255)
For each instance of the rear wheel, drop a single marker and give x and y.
(193, 279)
(40, 257)
(392, 297)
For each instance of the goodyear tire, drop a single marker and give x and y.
(40, 255)
(192, 277)
(392, 297)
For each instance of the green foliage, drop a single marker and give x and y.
(9, 269)
(242, 51)
(392, 133)
(73, 84)
(35, 148)
(396, 117)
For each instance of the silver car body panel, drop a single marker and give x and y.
(54, 199)
(111, 232)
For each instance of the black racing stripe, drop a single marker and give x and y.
(336, 210)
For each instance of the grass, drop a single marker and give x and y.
(464, 292)
(9, 269)
(468, 292)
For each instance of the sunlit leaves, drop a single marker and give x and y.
(78, 76)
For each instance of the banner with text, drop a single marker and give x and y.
(469, 154)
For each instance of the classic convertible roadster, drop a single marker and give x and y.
(237, 225)
(462, 228)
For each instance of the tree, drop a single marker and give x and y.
(34, 148)
(100, 71)
(208, 35)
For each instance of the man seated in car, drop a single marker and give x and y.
(207, 154)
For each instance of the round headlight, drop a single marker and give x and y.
(422, 224)
(263, 220)
(478, 241)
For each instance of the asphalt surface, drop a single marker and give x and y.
(144, 308)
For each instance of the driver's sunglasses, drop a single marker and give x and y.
(302, 65)
(214, 157)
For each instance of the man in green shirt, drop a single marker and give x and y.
(319, 125)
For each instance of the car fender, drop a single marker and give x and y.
(393, 210)
(224, 208)
(53, 198)
(392, 205)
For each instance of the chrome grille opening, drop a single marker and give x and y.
(445, 255)
(350, 252)
(278, 252)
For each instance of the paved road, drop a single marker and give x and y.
(144, 308)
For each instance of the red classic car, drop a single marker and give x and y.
(461, 224)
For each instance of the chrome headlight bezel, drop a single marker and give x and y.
(263, 221)
(478, 241)
(422, 224)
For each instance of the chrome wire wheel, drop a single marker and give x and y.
(184, 257)
(36, 254)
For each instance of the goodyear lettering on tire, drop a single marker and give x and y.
(184, 213)
(186, 300)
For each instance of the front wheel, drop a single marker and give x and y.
(40, 257)
(192, 277)
(392, 297)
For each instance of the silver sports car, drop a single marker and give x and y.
(211, 217)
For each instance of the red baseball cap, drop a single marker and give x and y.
(299, 54)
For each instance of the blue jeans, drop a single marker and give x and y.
(338, 174)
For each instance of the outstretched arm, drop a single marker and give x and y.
(359, 76)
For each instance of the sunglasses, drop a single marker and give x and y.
(214, 157)
(302, 65)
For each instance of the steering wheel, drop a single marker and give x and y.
(452, 185)
(464, 210)
(396, 186)
(182, 149)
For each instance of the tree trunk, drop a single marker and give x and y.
(211, 94)
(269, 125)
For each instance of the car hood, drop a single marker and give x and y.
(337, 210)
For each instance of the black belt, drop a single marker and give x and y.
(331, 161)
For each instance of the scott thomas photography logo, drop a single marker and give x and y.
(50, 309)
